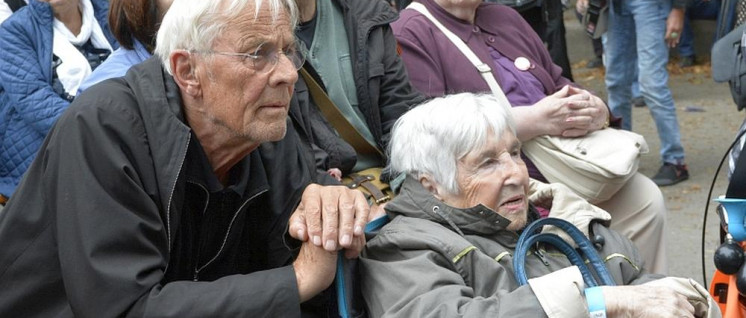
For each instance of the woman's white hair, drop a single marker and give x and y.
(195, 24)
(431, 138)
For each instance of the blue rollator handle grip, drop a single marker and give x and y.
(519, 261)
(585, 246)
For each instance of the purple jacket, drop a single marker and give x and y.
(436, 67)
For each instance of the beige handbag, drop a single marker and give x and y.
(594, 166)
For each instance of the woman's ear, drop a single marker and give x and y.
(184, 73)
(430, 185)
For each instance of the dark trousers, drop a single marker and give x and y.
(548, 23)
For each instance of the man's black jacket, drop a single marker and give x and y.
(90, 231)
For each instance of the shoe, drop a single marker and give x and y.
(595, 63)
(638, 101)
(686, 61)
(670, 174)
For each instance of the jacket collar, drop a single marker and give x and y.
(416, 202)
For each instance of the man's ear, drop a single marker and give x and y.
(184, 73)
(430, 185)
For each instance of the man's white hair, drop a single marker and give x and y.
(431, 138)
(195, 24)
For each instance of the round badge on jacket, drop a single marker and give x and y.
(522, 63)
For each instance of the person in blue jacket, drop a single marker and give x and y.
(46, 50)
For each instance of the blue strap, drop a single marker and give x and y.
(341, 290)
(342, 263)
(376, 224)
(519, 262)
(585, 246)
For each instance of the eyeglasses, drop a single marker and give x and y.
(265, 57)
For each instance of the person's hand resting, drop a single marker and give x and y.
(641, 301)
(332, 217)
(586, 115)
(569, 112)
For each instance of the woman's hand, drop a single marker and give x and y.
(570, 112)
(587, 114)
(645, 302)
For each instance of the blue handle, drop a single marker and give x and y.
(585, 246)
(519, 260)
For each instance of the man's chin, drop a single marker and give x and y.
(277, 133)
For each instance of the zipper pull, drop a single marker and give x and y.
(540, 255)
(196, 274)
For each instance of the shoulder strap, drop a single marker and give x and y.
(15, 4)
(348, 132)
(483, 68)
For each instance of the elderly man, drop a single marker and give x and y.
(160, 194)
(448, 249)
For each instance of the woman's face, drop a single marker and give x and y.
(495, 176)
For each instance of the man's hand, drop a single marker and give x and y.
(674, 25)
(331, 216)
(645, 302)
(314, 270)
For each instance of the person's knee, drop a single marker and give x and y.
(654, 208)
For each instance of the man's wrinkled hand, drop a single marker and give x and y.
(331, 216)
(646, 302)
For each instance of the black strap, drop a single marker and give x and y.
(15, 4)
(737, 184)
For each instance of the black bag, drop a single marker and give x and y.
(519, 5)
(596, 18)
(729, 63)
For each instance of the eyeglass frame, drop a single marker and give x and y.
(299, 54)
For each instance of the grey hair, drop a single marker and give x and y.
(195, 24)
(431, 138)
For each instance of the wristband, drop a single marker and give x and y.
(594, 296)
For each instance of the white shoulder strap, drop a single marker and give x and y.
(483, 69)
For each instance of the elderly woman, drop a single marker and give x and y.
(447, 249)
(134, 24)
(47, 49)
(524, 70)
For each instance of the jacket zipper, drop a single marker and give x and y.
(207, 203)
(171, 197)
(225, 238)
